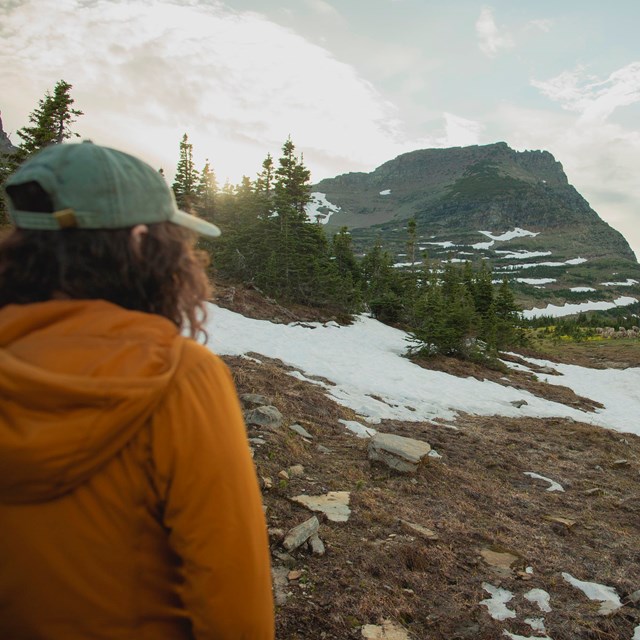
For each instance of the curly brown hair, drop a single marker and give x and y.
(164, 275)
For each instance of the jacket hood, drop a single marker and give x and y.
(78, 379)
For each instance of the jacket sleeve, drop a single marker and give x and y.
(212, 505)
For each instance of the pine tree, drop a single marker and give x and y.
(206, 191)
(50, 122)
(185, 184)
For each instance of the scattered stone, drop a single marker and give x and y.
(434, 454)
(634, 597)
(266, 416)
(594, 491)
(565, 522)
(323, 449)
(253, 400)
(280, 584)
(621, 463)
(301, 431)
(257, 441)
(296, 471)
(266, 482)
(300, 534)
(418, 528)
(276, 533)
(547, 370)
(287, 559)
(398, 453)
(519, 403)
(316, 545)
(386, 631)
(334, 504)
(296, 574)
(283, 475)
(500, 561)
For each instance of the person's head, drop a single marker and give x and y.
(96, 223)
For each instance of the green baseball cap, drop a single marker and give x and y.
(95, 187)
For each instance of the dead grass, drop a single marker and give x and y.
(476, 496)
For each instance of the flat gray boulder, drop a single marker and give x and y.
(268, 417)
(397, 452)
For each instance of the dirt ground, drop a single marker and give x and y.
(476, 498)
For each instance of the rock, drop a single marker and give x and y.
(296, 574)
(386, 631)
(500, 561)
(518, 403)
(253, 400)
(563, 522)
(280, 583)
(634, 597)
(286, 558)
(316, 545)
(334, 504)
(276, 533)
(300, 534)
(268, 417)
(301, 431)
(547, 370)
(594, 491)
(266, 482)
(621, 463)
(296, 471)
(418, 528)
(283, 475)
(398, 453)
(323, 449)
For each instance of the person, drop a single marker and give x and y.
(129, 504)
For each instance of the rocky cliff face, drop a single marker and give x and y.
(5, 143)
(516, 209)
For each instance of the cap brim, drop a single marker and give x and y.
(192, 223)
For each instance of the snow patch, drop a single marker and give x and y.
(539, 597)
(497, 604)
(523, 255)
(582, 289)
(483, 245)
(556, 311)
(318, 201)
(598, 592)
(536, 280)
(509, 235)
(447, 244)
(627, 283)
(359, 429)
(576, 261)
(385, 192)
(515, 636)
(553, 485)
(365, 359)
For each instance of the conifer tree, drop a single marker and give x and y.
(185, 184)
(50, 122)
(206, 192)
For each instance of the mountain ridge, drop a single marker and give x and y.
(460, 195)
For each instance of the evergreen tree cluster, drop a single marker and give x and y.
(269, 242)
(448, 309)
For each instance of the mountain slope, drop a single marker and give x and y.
(492, 202)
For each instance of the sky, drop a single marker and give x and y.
(353, 82)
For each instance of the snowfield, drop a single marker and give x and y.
(366, 359)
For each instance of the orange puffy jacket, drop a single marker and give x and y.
(129, 506)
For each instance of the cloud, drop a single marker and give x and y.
(460, 132)
(145, 72)
(323, 8)
(491, 39)
(542, 24)
(594, 100)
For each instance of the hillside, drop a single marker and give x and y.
(516, 209)
(531, 485)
